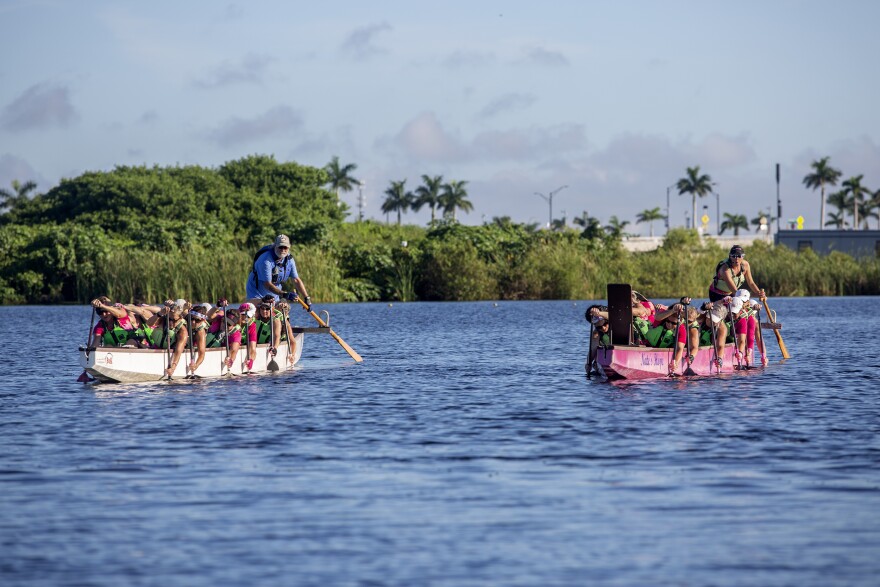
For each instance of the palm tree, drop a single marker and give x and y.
(616, 227)
(340, 177)
(454, 197)
(855, 193)
(875, 203)
(428, 194)
(822, 174)
(592, 226)
(650, 216)
(734, 222)
(836, 219)
(768, 220)
(557, 224)
(18, 195)
(399, 200)
(695, 185)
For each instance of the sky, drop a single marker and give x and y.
(613, 100)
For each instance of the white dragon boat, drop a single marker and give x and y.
(131, 365)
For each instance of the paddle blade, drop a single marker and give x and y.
(778, 334)
(84, 378)
(272, 366)
(782, 348)
(347, 348)
(338, 339)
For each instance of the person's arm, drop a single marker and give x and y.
(97, 332)
(252, 341)
(233, 351)
(182, 335)
(141, 312)
(276, 332)
(117, 313)
(200, 342)
(301, 288)
(751, 282)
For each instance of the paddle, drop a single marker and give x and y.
(192, 355)
(687, 340)
(289, 333)
(167, 339)
(590, 351)
(737, 355)
(674, 348)
(272, 366)
(761, 339)
(341, 342)
(226, 340)
(715, 356)
(84, 378)
(778, 334)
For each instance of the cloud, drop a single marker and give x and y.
(148, 117)
(425, 138)
(541, 57)
(15, 168)
(249, 70)
(511, 101)
(461, 59)
(720, 151)
(535, 143)
(276, 121)
(40, 106)
(359, 44)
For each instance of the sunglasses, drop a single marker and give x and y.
(737, 256)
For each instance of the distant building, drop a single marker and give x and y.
(858, 243)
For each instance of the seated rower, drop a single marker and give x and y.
(169, 330)
(287, 332)
(225, 330)
(600, 333)
(688, 337)
(746, 327)
(247, 321)
(113, 327)
(199, 319)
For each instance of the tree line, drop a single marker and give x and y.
(190, 231)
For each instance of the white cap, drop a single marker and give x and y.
(736, 304)
(743, 294)
(718, 312)
(206, 305)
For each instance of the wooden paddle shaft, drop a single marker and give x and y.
(778, 334)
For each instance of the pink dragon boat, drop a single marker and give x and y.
(625, 360)
(641, 362)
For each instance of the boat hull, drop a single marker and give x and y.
(126, 365)
(639, 362)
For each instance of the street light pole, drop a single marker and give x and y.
(718, 211)
(667, 206)
(549, 199)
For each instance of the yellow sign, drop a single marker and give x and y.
(800, 222)
(705, 219)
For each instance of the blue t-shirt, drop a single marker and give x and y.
(269, 268)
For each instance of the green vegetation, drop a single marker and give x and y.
(154, 233)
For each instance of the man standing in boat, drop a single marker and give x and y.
(731, 274)
(273, 265)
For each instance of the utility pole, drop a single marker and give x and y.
(778, 201)
(549, 199)
(362, 202)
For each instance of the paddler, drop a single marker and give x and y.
(731, 274)
(273, 265)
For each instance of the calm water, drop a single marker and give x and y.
(469, 449)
